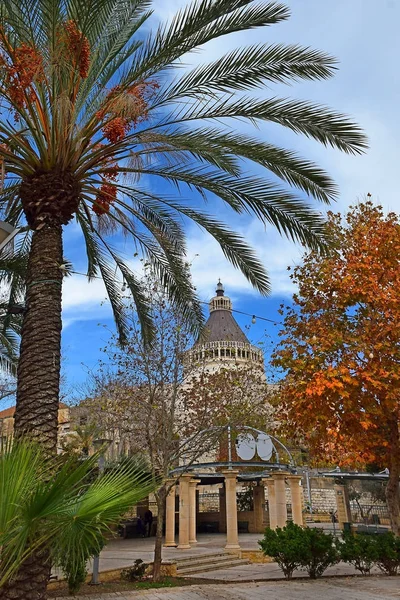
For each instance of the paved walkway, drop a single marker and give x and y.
(360, 588)
(122, 553)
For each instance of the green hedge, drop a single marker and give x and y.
(365, 550)
(294, 547)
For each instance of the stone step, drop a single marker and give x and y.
(200, 558)
(207, 567)
(207, 562)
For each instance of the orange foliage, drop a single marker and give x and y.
(341, 344)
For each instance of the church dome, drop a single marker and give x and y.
(222, 341)
(221, 324)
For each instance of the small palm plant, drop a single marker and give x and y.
(58, 508)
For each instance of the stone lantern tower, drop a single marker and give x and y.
(223, 343)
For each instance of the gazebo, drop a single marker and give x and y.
(259, 459)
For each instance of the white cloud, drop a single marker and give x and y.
(83, 300)
(374, 173)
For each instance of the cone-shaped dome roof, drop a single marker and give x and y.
(221, 325)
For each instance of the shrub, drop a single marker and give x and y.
(285, 546)
(294, 547)
(388, 553)
(360, 550)
(75, 576)
(136, 572)
(318, 552)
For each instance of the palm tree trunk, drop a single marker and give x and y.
(39, 364)
(161, 495)
(36, 411)
(30, 582)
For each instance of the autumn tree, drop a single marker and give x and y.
(340, 347)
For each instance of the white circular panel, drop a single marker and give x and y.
(265, 446)
(245, 446)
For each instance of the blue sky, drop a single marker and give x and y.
(363, 35)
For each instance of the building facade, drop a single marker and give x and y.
(7, 424)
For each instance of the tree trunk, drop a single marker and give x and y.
(30, 582)
(36, 411)
(392, 488)
(39, 364)
(161, 496)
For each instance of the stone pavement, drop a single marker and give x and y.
(121, 553)
(266, 571)
(354, 588)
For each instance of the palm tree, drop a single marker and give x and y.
(81, 439)
(58, 506)
(99, 126)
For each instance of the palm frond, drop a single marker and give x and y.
(220, 147)
(197, 24)
(98, 262)
(13, 265)
(115, 26)
(51, 502)
(251, 67)
(269, 203)
(312, 120)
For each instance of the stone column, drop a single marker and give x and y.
(232, 537)
(170, 519)
(258, 508)
(280, 498)
(271, 501)
(343, 505)
(184, 511)
(192, 511)
(297, 504)
(222, 510)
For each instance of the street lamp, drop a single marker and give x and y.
(7, 233)
(100, 445)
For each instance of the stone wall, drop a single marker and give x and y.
(323, 500)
